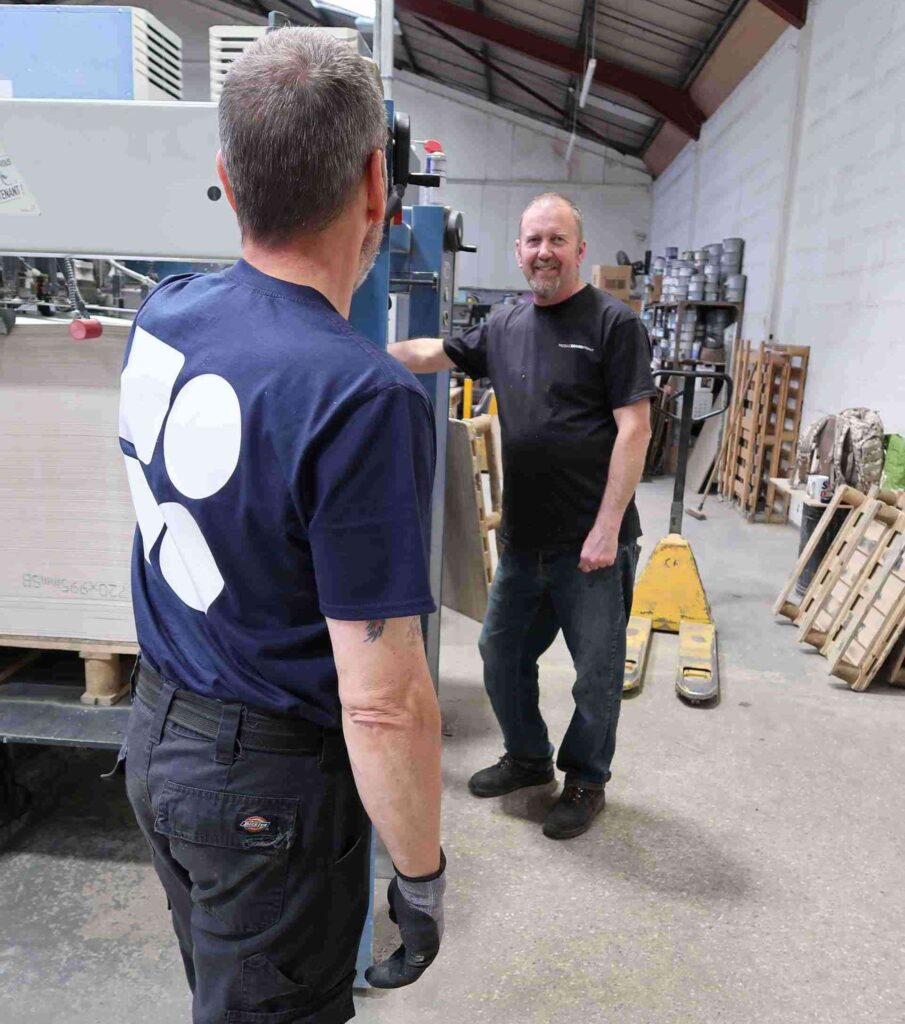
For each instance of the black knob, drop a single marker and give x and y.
(454, 238)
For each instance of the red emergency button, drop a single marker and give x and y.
(85, 330)
(432, 146)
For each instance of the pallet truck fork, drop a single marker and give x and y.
(669, 596)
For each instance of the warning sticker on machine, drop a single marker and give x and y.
(15, 197)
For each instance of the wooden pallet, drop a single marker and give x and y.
(844, 496)
(763, 426)
(873, 625)
(855, 552)
(106, 674)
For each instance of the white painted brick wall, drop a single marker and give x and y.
(673, 195)
(497, 161)
(843, 284)
(844, 291)
(730, 183)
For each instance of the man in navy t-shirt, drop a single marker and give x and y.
(281, 469)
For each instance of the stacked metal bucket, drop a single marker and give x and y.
(731, 277)
(711, 274)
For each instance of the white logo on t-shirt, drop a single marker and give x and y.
(585, 348)
(201, 443)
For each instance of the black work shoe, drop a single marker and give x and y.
(508, 775)
(573, 812)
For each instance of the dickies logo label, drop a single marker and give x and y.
(254, 824)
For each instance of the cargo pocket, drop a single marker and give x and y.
(270, 997)
(268, 994)
(235, 849)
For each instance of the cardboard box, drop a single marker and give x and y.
(615, 280)
(66, 518)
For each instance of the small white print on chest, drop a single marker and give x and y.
(584, 348)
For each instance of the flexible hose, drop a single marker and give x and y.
(72, 287)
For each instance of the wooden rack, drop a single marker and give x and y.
(763, 424)
(854, 608)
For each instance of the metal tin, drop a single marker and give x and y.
(733, 245)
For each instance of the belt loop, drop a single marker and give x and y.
(167, 693)
(228, 733)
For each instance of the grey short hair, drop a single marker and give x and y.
(300, 114)
(556, 197)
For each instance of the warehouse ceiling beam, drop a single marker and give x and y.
(671, 103)
(588, 11)
(521, 84)
(795, 12)
(485, 53)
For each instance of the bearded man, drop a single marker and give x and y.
(571, 373)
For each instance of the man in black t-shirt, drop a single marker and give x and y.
(571, 372)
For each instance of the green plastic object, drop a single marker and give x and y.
(893, 478)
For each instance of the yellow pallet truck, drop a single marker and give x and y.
(669, 596)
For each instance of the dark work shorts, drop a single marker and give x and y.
(266, 865)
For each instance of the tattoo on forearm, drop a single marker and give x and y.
(374, 630)
(413, 632)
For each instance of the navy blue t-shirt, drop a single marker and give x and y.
(281, 468)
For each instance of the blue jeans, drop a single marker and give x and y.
(534, 595)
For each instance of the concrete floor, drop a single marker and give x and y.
(747, 867)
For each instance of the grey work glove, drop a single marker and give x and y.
(416, 906)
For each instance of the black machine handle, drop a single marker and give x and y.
(425, 180)
(685, 421)
(695, 375)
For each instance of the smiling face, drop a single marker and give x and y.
(550, 250)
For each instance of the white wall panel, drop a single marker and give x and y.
(814, 189)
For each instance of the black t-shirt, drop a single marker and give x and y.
(558, 373)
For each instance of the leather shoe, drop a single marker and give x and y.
(573, 812)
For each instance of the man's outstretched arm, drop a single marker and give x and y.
(422, 355)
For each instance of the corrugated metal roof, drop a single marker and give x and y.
(664, 40)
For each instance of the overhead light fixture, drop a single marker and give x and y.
(570, 147)
(588, 78)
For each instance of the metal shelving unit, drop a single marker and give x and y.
(661, 312)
